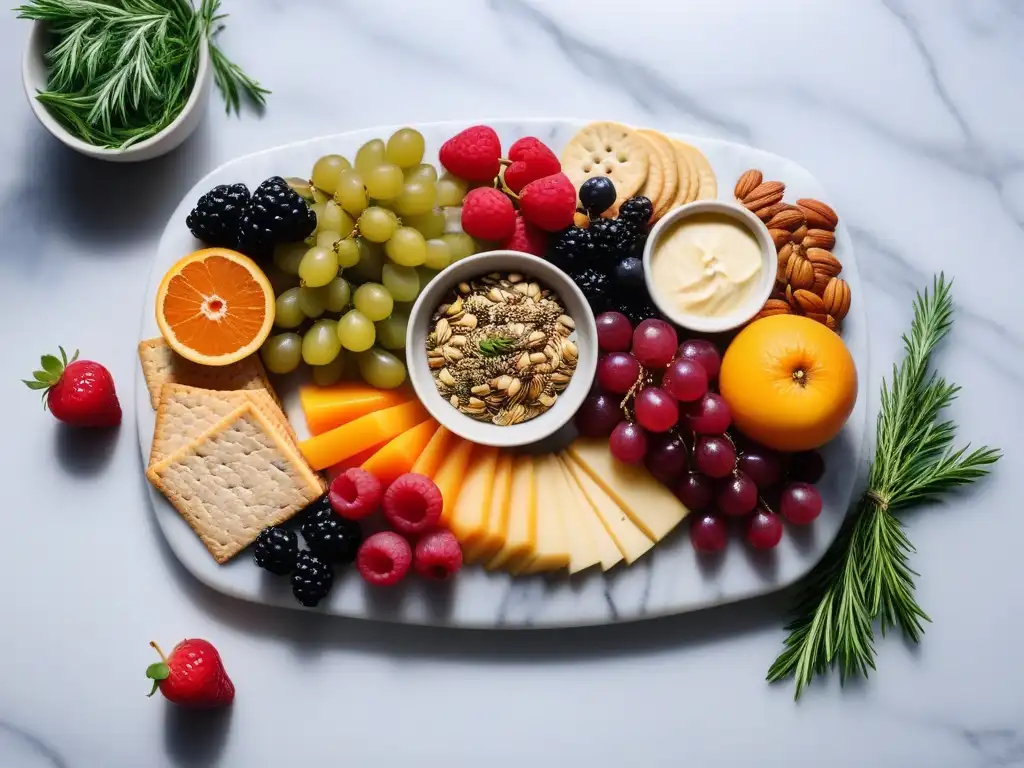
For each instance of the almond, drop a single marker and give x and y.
(770, 210)
(785, 252)
(824, 260)
(836, 298)
(831, 323)
(774, 307)
(788, 219)
(820, 281)
(819, 238)
(779, 236)
(818, 317)
(818, 214)
(799, 272)
(747, 183)
(809, 303)
(764, 194)
(798, 233)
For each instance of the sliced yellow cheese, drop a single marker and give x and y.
(551, 550)
(630, 540)
(580, 537)
(434, 453)
(649, 504)
(605, 548)
(522, 518)
(469, 516)
(450, 474)
(496, 527)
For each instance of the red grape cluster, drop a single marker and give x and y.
(655, 401)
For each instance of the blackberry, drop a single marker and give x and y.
(332, 538)
(630, 273)
(276, 550)
(597, 194)
(215, 218)
(312, 579)
(612, 240)
(275, 214)
(636, 210)
(572, 249)
(637, 307)
(596, 286)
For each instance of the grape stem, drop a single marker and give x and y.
(632, 392)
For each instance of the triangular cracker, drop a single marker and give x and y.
(162, 365)
(236, 479)
(186, 412)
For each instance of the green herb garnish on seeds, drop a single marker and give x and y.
(496, 345)
(865, 576)
(120, 71)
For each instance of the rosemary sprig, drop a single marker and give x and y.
(496, 345)
(866, 575)
(122, 70)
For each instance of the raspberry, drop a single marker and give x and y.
(438, 555)
(549, 203)
(355, 494)
(472, 154)
(526, 238)
(384, 559)
(413, 504)
(531, 160)
(487, 214)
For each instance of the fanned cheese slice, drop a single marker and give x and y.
(469, 517)
(649, 504)
(522, 518)
(551, 550)
(496, 527)
(630, 540)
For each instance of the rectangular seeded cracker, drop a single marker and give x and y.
(185, 412)
(234, 480)
(162, 365)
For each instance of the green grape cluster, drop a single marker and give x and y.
(343, 295)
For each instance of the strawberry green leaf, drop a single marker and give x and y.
(36, 384)
(51, 365)
(42, 377)
(156, 672)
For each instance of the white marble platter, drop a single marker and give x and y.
(670, 579)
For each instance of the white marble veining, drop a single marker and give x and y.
(908, 112)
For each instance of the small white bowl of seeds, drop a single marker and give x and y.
(502, 348)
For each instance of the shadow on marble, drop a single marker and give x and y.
(195, 737)
(84, 452)
(98, 200)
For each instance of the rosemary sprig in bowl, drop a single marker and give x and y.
(121, 72)
(865, 576)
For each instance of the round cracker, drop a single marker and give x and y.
(654, 185)
(667, 157)
(688, 184)
(608, 149)
(707, 184)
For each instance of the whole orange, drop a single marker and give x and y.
(789, 381)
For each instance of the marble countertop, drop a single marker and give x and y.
(909, 112)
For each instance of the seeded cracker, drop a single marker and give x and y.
(161, 364)
(499, 349)
(234, 480)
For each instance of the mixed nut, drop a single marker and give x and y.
(807, 280)
(499, 349)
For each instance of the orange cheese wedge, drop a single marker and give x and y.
(436, 449)
(344, 442)
(397, 456)
(451, 474)
(328, 407)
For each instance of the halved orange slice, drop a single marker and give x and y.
(215, 307)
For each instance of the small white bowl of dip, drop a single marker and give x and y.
(709, 265)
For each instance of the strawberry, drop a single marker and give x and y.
(531, 160)
(192, 676)
(549, 202)
(526, 238)
(487, 214)
(473, 154)
(78, 392)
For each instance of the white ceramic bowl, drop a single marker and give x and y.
(33, 73)
(585, 336)
(757, 298)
